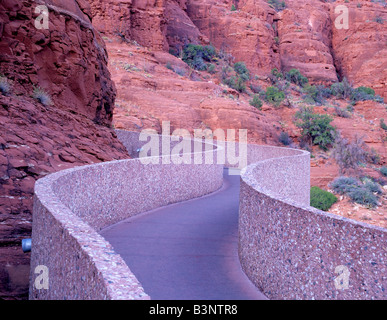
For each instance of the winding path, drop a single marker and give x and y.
(187, 250)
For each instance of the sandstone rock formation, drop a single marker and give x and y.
(360, 52)
(304, 33)
(68, 61)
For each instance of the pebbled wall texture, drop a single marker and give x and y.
(71, 206)
(292, 251)
(287, 249)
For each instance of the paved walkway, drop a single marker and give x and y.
(188, 250)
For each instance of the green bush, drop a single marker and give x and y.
(256, 102)
(362, 94)
(383, 171)
(274, 96)
(383, 125)
(211, 68)
(295, 76)
(233, 8)
(315, 94)
(315, 127)
(236, 83)
(321, 199)
(196, 55)
(241, 69)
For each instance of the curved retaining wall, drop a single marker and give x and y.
(70, 207)
(292, 251)
(287, 249)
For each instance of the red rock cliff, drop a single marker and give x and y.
(69, 62)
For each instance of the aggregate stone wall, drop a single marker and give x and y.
(287, 249)
(70, 206)
(292, 251)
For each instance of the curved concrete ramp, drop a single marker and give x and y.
(188, 250)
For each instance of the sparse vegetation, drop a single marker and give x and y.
(277, 5)
(364, 196)
(238, 80)
(383, 171)
(285, 139)
(295, 76)
(5, 86)
(274, 96)
(340, 112)
(348, 155)
(241, 69)
(196, 55)
(256, 102)
(316, 94)
(321, 199)
(342, 90)
(365, 193)
(383, 125)
(316, 128)
(42, 96)
(275, 76)
(342, 185)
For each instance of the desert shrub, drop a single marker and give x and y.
(383, 171)
(274, 96)
(373, 187)
(235, 83)
(348, 155)
(383, 125)
(314, 94)
(364, 196)
(295, 76)
(196, 55)
(284, 138)
(362, 94)
(275, 76)
(233, 8)
(372, 156)
(256, 102)
(342, 185)
(256, 88)
(211, 68)
(342, 90)
(378, 98)
(42, 96)
(241, 69)
(277, 4)
(169, 66)
(321, 199)
(180, 71)
(344, 113)
(316, 128)
(360, 193)
(5, 86)
(378, 20)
